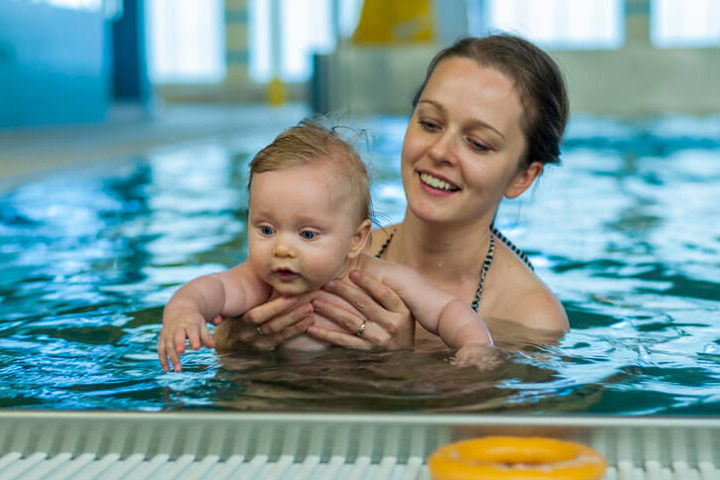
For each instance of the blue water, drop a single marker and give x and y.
(625, 232)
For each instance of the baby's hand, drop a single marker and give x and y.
(179, 326)
(482, 357)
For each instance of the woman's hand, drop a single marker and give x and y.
(386, 322)
(265, 326)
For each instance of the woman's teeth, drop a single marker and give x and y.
(437, 183)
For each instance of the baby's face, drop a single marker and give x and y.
(300, 227)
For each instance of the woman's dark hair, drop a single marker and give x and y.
(537, 78)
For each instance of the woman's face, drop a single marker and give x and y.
(462, 148)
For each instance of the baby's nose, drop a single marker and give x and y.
(282, 249)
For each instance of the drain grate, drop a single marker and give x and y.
(88, 466)
(61, 467)
(88, 445)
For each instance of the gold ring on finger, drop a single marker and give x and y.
(361, 329)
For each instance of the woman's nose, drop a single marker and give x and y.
(442, 150)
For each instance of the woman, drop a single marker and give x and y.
(487, 119)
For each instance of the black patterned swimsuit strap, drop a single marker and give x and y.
(483, 272)
(523, 256)
(386, 244)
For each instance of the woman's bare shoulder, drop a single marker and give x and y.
(519, 294)
(540, 309)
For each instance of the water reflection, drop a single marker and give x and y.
(622, 232)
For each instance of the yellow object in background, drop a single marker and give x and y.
(276, 92)
(395, 21)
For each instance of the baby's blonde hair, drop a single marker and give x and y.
(311, 143)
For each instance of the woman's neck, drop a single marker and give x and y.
(440, 251)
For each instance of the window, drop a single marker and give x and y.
(90, 5)
(186, 41)
(306, 26)
(685, 23)
(561, 24)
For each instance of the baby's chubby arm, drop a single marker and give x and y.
(185, 317)
(436, 310)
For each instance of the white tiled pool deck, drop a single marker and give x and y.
(98, 445)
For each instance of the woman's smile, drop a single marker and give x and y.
(436, 185)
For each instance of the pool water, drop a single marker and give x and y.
(625, 232)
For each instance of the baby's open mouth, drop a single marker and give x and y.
(285, 274)
(438, 183)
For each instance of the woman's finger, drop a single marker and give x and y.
(267, 311)
(354, 295)
(383, 294)
(341, 339)
(392, 323)
(293, 331)
(366, 304)
(271, 341)
(268, 325)
(342, 317)
(285, 320)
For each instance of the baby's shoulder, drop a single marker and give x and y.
(382, 269)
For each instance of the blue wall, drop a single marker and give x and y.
(53, 67)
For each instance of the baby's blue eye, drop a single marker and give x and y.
(308, 235)
(265, 230)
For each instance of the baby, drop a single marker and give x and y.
(308, 224)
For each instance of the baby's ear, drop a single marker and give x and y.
(360, 238)
(524, 179)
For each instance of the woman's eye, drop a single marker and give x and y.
(478, 146)
(308, 235)
(265, 230)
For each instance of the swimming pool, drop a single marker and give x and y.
(624, 232)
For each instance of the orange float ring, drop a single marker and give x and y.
(516, 458)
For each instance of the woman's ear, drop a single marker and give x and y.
(359, 239)
(524, 179)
